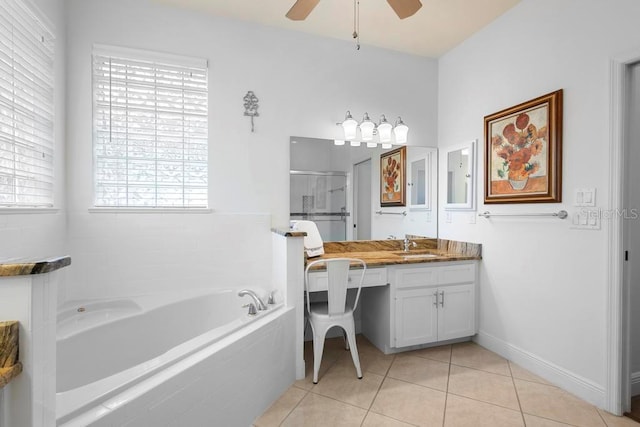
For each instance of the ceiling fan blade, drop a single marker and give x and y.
(301, 9)
(405, 8)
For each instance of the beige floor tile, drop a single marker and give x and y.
(377, 420)
(320, 411)
(281, 408)
(440, 353)
(553, 403)
(341, 383)
(533, 421)
(371, 359)
(421, 371)
(471, 355)
(463, 412)
(410, 403)
(615, 421)
(484, 386)
(518, 371)
(333, 350)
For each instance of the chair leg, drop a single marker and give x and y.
(351, 335)
(318, 348)
(346, 340)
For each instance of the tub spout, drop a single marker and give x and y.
(259, 303)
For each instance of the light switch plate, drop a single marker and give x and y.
(586, 219)
(472, 217)
(585, 197)
(449, 216)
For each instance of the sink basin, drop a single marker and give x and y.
(416, 256)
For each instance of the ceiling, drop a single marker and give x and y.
(436, 28)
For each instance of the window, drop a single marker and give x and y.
(150, 129)
(26, 108)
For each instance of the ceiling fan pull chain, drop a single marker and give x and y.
(356, 22)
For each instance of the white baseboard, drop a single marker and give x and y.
(635, 383)
(573, 383)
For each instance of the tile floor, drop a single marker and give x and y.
(453, 385)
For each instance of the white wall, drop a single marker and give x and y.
(543, 286)
(42, 234)
(304, 83)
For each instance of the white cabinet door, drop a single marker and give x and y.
(416, 317)
(456, 311)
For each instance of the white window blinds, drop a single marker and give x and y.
(150, 129)
(26, 107)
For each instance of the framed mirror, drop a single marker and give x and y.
(460, 163)
(338, 187)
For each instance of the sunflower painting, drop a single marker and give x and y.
(392, 177)
(523, 152)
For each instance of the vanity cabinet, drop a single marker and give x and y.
(432, 303)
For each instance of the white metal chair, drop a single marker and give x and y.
(335, 311)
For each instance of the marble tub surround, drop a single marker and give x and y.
(10, 367)
(377, 253)
(25, 267)
(286, 232)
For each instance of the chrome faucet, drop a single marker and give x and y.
(407, 243)
(259, 303)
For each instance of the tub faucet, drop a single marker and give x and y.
(259, 303)
(407, 243)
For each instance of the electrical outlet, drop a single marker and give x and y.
(449, 216)
(472, 218)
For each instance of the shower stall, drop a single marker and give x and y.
(321, 197)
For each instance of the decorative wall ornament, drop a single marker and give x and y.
(251, 106)
(393, 177)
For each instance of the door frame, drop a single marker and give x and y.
(618, 381)
(355, 195)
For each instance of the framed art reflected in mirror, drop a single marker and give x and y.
(393, 177)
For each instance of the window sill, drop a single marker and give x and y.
(152, 210)
(22, 211)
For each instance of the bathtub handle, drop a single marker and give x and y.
(272, 299)
(252, 309)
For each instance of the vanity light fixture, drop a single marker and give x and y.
(400, 131)
(349, 125)
(384, 130)
(369, 129)
(338, 141)
(366, 128)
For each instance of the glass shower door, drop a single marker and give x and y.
(320, 197)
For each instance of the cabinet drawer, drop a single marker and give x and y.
(416, 277)
(372, 277)
(458, 273)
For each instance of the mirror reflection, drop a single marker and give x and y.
(460, 177)
(338, 187)
(457, 176)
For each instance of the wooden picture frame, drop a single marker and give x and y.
(393, 169)
(523, 152)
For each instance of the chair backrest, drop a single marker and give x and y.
(337, 282)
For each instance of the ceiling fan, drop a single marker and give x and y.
(403, 8)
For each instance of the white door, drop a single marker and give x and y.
(456, 312)
(362, 200)
(416, 317)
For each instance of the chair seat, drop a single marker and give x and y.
(322, 310)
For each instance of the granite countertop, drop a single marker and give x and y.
(10, 367)
(25, 267)
(379, 253)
